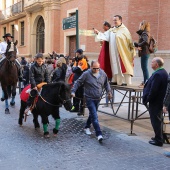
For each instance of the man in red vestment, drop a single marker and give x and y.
(121, 51)
(104, 57)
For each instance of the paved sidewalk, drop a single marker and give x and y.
(24, 148)
(142, 129)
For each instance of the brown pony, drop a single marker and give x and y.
(9, 74)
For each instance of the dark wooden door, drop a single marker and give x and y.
(72, 46)
(40, 36)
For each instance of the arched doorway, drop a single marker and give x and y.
(40, 35)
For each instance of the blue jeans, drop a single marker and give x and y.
(2, 94)
(144, 66)
(92, 105)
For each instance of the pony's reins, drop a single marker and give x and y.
(63, 101)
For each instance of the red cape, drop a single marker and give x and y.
(104, 59)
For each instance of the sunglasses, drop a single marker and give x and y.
(95, 68)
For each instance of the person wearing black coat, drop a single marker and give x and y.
(23, 61)
(26, 75)
(153, 96)
(143, 48)
(63, 67)
(38, 74)
(58, 73)
(166, 106)
(166, 103)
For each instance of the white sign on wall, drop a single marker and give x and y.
(86, 32)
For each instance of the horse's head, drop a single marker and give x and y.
(11, 51)
(64, 96)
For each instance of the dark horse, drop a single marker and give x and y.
(51, 97)
(9, 74)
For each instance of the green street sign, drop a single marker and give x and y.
(69, 22)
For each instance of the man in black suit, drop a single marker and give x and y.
(166, 106)
(153, 94)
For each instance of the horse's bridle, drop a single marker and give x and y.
(12, 55)
(9, 60)
(62, 100)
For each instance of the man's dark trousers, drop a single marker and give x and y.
(156, 118)
(78, 102)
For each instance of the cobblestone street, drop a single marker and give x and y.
(109, 57)
(24, 148)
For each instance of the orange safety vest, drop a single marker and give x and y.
(82, 61)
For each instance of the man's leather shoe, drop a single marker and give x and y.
(2, 99)
(153, 142)
(123, 84)
(152, 138)
(113, 83)
(80, 113)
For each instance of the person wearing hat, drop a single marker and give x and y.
(80, 66)
(3, 44)
(3, 47)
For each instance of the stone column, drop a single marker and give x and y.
(55, 27)
(29, 47)
(48, 25)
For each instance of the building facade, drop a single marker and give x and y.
(37, 24)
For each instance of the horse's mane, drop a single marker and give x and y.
(52, 88)
(60, 83)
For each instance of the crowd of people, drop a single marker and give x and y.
(60, 69)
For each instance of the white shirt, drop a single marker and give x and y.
(3, 46)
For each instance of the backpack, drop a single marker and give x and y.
(152, 45)
(70, 79)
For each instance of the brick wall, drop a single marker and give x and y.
(95, 20)
(82, 7)
(93, 13)
(145, 10)
(55, 29)
(164, 25)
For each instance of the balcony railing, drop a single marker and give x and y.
(31, 2)
(12, 10)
